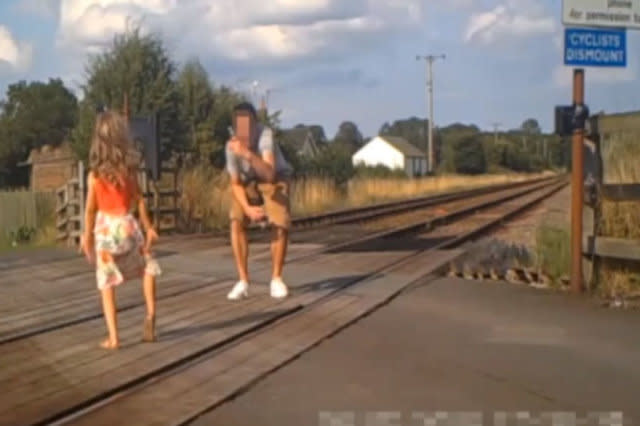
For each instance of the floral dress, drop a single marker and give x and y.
(120, 253)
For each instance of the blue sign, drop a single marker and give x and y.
(592, 47)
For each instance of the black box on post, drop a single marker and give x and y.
(564, 120)
(145, 131)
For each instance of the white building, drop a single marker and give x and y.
(393, 152)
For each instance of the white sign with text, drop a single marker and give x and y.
(602, 13)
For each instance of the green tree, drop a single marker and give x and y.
(333, 162)
(33, 115)
(224, 99)
(137, 67)
(38, 114)
(470, 156)
(531, 127)
(349, 136)
(447, 140)
(196, 104)
(318, 134)
(413, 130)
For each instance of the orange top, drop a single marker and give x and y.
(113, 200)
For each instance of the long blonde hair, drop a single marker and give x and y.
(110, 145)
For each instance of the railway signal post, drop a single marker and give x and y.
(595, 36)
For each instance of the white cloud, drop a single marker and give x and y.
(241, 30)
(514, 19)
(13, 52)
(563, 76)
(90, 22)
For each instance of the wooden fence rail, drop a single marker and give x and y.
(70, 212)
(597, 247)
(71, 200)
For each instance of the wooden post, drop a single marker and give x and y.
(175, 199)
(81, 195)
(589, 219)
(156, 207)
(577, 190)
(125, 107)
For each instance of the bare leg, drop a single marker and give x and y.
(149, 285)
(109, 308)
(240, 249)
(279, 242)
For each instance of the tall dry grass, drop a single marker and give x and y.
(620, 158)
(362, 191)
(204, 199)
(314, 195)
(205, 194)
(553, 250)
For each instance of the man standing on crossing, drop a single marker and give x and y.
(259, 190)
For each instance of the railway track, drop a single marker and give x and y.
(73, 302)
(314, 228)
(300, 225)
(62, 326)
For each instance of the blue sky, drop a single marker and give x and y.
(327, 61)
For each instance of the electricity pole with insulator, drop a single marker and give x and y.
(430, 59)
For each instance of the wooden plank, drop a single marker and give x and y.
(37, 309)
(181, 397)
(40, 305)
(614, 248)
(194, 389)
(39, 257)
(81, 380)
(82, 284)
(621, 192)
(61, 207)
(81, 299)
(612, 123)
(165, 210)
(162, 193)
(588, 231)
(72, 350)
(83, 309)
(37, 401)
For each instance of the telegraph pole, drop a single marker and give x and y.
(254, 87)
(271, 90)
(430, 59)
(495, 132)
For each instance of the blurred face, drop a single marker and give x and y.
(244, 127)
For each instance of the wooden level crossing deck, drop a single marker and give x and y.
(209, 348)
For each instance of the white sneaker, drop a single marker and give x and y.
(238, 291)
(278, 288)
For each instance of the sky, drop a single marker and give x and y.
(328, 61)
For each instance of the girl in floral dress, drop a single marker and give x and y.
(112, 238)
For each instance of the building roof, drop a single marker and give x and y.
(47, 153)
(403, 146)
(296, 136)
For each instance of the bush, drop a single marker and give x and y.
(553, 251)
(469, 156)
(332, 162)
(379, 171)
